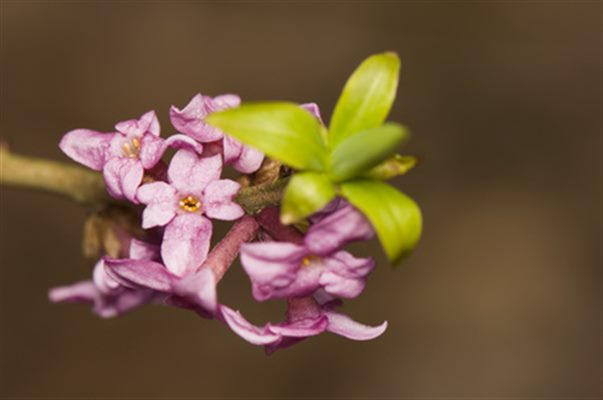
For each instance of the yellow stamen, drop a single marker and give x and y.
(190, 204)
(308, 260)
(132, 148)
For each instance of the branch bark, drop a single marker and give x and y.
(87, 187)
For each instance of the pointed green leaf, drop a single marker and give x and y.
(395, 216)
(283, 131)
(360, 152)
(392, 167)
(306, 193)
(367, 97)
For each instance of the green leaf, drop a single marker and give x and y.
(395, 216)
(367, 97)
(392, 167)
(283, 131)
(306, 193)
(358, 153)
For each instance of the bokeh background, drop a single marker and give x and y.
(501, 299)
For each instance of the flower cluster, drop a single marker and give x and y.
(176, 202)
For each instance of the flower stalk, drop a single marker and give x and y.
(79, 184)
(87, 187)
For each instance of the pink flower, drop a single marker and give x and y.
(193, 193)
(197, 289)
(191, 121)
(306, 317)
(285, 269)
(124, 155)
(108, 297)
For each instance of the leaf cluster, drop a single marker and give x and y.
(351, 158)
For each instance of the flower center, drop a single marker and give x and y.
(190, 204)
(131, 148)
(309, 260)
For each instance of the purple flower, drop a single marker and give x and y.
(191, 121)
(193, 191)
(305, 317)
(197, 289)
(124, 155)
(108, 297)
(284, 269)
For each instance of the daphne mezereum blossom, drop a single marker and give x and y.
(196, 289)
(306, 317)
(191, 121)
(108, 297)
(124, 155)
(194, 191)
(284, 269)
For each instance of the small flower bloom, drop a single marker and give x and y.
(108, 297)
(197, 289)
(305, 317)
(191, 121)
(283, 269)
(193, 191)
(124, 155)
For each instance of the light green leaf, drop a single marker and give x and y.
(367, 97)
(306, 193)
(392, 167)
(283, 131)
(395, 216)
(360, 152)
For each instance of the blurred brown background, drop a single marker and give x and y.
(502, 297)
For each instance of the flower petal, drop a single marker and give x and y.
(81, 292)
(332, 206)
(87, 147)
(224, 101)
(140, 273)
(117, 304)
(243, 158)
(334, 231)
(249, 161)
(232, 149)
(151, 150)
(140, 250)
(343, 325)
(301, 328)
(161, 203)
(186, 243)
(345, 275)
(199, 289)
(251, 333)
(148, 122)
(123, 177)
(104, 282)
(190, 174)
(183, 142)
(191, 119)
(272, 267)
(325, 300)
(217, 200)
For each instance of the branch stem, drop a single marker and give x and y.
(87, 187)
(79, 184)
